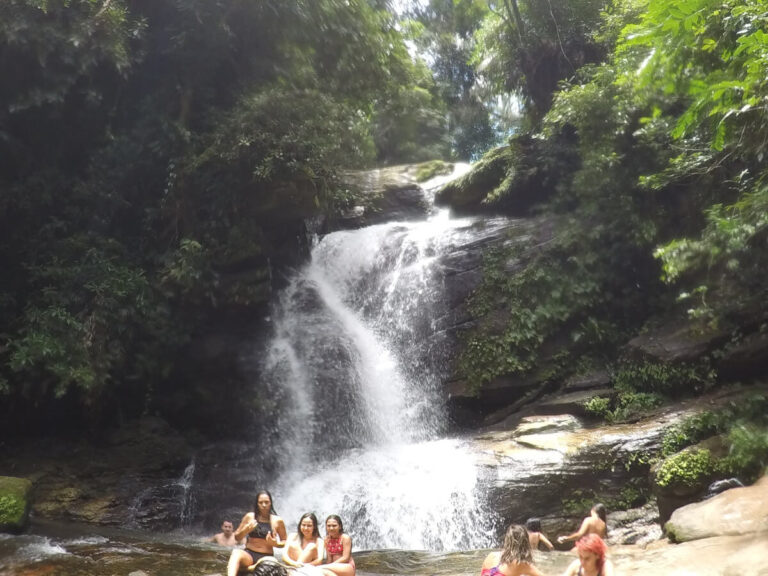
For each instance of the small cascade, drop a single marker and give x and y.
(186, 496)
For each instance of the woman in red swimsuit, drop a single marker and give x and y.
(338, 549)
(592, 560)
(515, 558)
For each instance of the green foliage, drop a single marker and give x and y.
(690, 468)
(692, 430)
(154, 157)
(664, 378)
(748, 450)
(599, 407)
(11, 509)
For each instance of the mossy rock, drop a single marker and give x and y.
(15, 504)
(428, 170)
(467, 193)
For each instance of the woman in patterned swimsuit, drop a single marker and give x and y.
(515, 558)
(338, 549)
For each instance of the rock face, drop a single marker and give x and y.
(133, 477)
(14, 504)
(386, 194)
(735, 511)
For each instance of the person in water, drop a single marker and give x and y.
(592, 560)
(305, 545)
(338, 549)
(595, 523)
(227, 536)
(264, 530)
(535, 536)
(515, 558)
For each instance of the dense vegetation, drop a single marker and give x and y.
(158, 159)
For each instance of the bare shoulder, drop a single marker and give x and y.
(491, 560)
(346, 538)
(573, 568)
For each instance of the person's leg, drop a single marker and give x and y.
(238, 560)
(308, 554)
(340, 569)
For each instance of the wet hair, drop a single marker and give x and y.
(600, 510)
(335, 517)
(271, 503)
(593, 543)
(533, 525)
(270, 568)
(517, 546)
(315, 531)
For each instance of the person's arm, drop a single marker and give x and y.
(277, 536)
(320, 553)
(246, 525)
(286, 552)
(546, 541)
(579, 533)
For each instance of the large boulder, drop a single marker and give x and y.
(735, 511)
(674, 342)
(382, 194)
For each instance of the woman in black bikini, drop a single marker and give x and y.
(265, 530)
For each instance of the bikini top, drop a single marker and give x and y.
(490, 571)
(261, 530)
(334, 545)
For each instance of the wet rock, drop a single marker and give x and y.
(676, 341)
(735, 511)
(635, 526)
(571, 402)
(745, 359)
(15, 504)
(389, 194)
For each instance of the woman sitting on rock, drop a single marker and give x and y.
(265, 530)
(305, 545)
(592, 560)
(338, 549)
(595, 523)
(515, 558)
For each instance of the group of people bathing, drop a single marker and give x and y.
(263, 531)
(516, 555)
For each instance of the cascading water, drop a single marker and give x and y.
(353, 376)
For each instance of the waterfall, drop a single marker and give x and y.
(354, 410)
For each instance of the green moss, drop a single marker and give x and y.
(433, 168)
(689, 468)
(14, 503)
(486, 175)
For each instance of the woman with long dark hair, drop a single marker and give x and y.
(264, 529)
(305, 545)
(515, 558)
(595, 523)
(338, 549)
